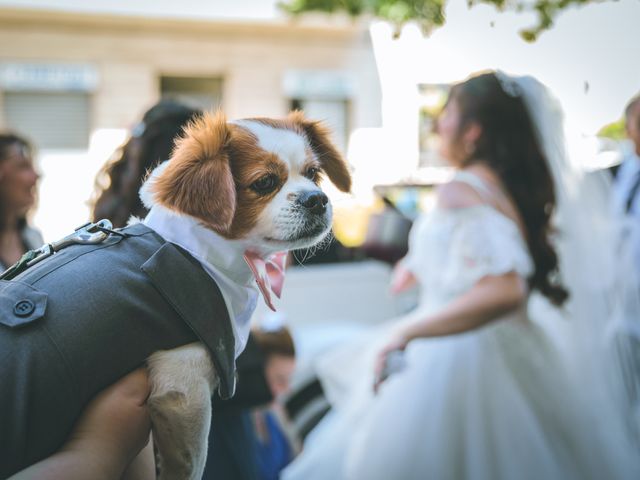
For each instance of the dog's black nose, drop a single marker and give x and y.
(315, 202)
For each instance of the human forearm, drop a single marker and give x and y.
(487, 300)
(71, 465)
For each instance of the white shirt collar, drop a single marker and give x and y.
(222, 259)
(203, 243)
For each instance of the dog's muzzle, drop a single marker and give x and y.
(312, 213)
(313, 202)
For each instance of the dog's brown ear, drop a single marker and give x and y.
(330, 159)
(198, 179)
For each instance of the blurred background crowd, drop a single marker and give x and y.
(94, 92)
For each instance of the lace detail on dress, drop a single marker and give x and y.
(451, 249)
(487, 244)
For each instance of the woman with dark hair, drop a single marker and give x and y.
(18, 182)
(502, 176)
(151, 142)
(485, 379)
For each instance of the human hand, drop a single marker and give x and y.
(401, 279)
(389, 360)
(115, 426)
(117, 418)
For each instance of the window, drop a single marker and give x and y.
(197, 92)
(333, 113)
(51, 120)
(323, 95)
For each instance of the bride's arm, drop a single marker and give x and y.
(489, 298)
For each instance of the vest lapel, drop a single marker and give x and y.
(194, 295)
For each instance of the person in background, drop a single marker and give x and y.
(625, 200)
(151, 141)
(626, 190)
(477, 382)
(273, 446)
(246, 441)
(18, 184)
(626, 187)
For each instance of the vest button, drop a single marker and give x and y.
(24, 308)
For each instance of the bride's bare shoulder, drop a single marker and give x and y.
(456, 194)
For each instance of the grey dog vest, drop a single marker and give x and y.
(76, 322)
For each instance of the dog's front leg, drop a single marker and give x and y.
(182, 382)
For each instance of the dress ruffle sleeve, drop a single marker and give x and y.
(484, 243)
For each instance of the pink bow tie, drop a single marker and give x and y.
(269, 273)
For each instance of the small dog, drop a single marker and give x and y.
(256, 184)
(232, 195)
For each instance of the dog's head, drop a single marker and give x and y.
(255, 179)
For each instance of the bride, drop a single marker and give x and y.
(509, 366)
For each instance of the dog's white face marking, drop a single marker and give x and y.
(288, 145)
(286, 223)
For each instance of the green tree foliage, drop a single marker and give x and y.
(429, 14)
(615, 130)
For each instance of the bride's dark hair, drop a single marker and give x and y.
(508, 144)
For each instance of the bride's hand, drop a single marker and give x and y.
(397, 344)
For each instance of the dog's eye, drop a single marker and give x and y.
(265, 184)
(312, 173)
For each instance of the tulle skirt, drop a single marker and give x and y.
(495, 403)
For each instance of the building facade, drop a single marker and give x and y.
(75, 82)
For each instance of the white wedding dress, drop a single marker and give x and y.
(490, 404)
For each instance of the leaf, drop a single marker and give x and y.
(429, 14)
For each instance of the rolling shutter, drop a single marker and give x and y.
(51, 120)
